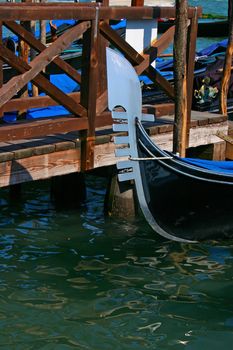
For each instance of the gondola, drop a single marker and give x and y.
(185, 200)
(206, 28)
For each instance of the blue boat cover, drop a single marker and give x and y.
(214, 48)
(64, 83)
(225, 167)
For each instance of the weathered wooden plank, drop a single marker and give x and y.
(89, 91)
(191, 52)
(1, 66)
(102, 45)
(27, 12)
(10, 88)
(158, 45)
(102, 102)
(39, 167)
(137, 2)
(159, 110)
(42, 127)
(227, 62)
(180, 78)
(219, 151)
(34, 102)
(47, 11)
(37, 45)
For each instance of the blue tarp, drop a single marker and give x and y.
(217, 166)
(214, 48)
(64, 83)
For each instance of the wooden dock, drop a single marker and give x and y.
(83, 139)
(53, 155)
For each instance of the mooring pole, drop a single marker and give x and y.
(24, 53)
(137, 2)
(43, 28)
(180, 78)
(228, 62)
(102, 44)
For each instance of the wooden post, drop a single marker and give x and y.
(24, 53)
(43, 29)
(35, 90)
(1, 65)
(227, 63)
(137, 2)
(120, 199)
(88, 94)
(102, 45)
(180, 78)
(191, 52)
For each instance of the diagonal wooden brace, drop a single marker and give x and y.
(14, 85)
(37, 45)
(135, 58)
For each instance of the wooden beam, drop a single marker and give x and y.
(37, 45)
(159, 110)
(27, 12)
(180, 78)
(158, 45)
(191, 53)
(1, 66)
(227, 63)
(46, 11)
(10, 88)
(89, 91)
(102, 45)
(39, 167)
(137, 2)
(41, 127)
(35, 102)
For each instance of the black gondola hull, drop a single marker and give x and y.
(185, 202)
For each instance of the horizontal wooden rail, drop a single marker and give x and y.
(24, 103)
(29, 12)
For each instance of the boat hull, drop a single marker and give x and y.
(205, 28)
(187, 203)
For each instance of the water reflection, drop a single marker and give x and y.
(77, 281)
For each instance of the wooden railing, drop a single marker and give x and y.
(88, 108)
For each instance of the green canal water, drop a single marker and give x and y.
(76, 280)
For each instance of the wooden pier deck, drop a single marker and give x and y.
(60, 154)
(83, 139)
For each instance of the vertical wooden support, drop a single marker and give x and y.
(35, 90)
(227, 63)
(1, 65)
(24, 53)
(43, 28)
(191, 51)
(137, 2)
(103, 43)
(180, 78)
(219, 151)
(88, 95)
(120, 198)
